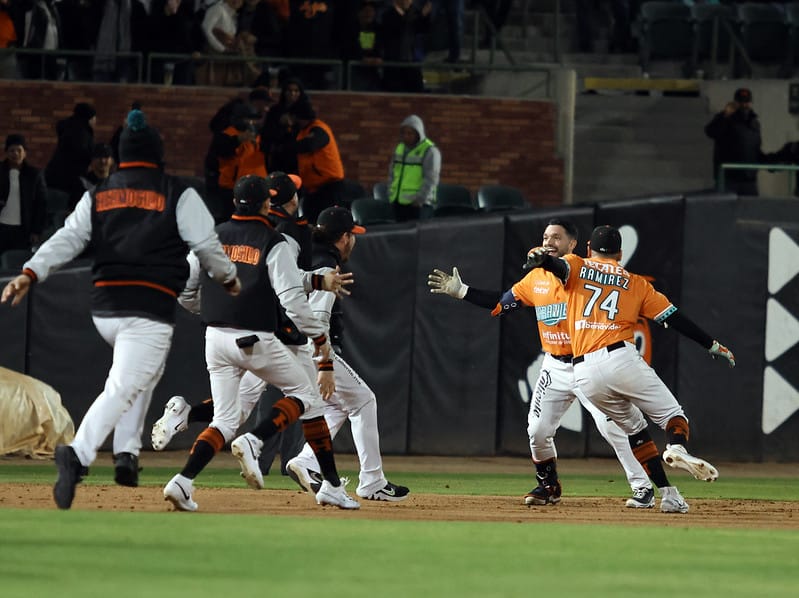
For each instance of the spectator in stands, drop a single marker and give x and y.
(318, 162)
(99, 168)
(42, 31)
(277, 136)
(399, 26)
(171, 25)
(8, 39)
(414, 172)
(23, 198)
(261, 19)
(361, 45)
(261, 100)
(234, 152)
(497, 12)
(123, 28)
(453, 9)
(220, 28)
(73, 150)
(80, 22)
(310, 34)
(736, 135)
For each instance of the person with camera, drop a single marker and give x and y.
(234, 152)
(736, 135)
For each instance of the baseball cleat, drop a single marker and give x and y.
(247, 448)
(390, 493)
(543, 494)
(69, 475)
(126, 469)
(175, 419)
(179, 492)
(671, 501)
(642, 498)
(336, 496)
(676, 456)
(307, 479)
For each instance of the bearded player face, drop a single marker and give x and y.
(558, 241)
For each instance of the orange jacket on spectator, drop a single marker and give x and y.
(321, 166)
(247, 160)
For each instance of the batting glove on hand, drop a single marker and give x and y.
(441, 282)
(535, 257)
(718, 350)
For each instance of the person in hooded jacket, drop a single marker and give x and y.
(414, 172)
(73, 151)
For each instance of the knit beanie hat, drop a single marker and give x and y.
(140, 142)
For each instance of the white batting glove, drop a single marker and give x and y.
(718, 350)
(441, 282)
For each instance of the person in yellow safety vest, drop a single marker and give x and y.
(414, 172)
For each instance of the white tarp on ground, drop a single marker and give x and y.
(32, 419)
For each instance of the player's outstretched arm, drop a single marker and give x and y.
(687, 327)
(452, 285)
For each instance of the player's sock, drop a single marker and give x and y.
(648, 456)
(547, 472)
(677, 431)
(208, 443)
(317, 435)
(284, 412)
(202, 412)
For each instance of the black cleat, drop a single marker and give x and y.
(126, 469)
(69, 475)
(543, 494)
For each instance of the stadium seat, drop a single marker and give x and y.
(704, 16)
(452, 200)
(380, 191)
(666, 30)
(351, 190)
(764, 32)
(493, 198)
(366, 211)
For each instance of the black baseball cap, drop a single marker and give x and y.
(282, 186)
(743, 94)
(606, 239)
(337, 220)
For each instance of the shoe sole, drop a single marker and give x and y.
(632, 504)
(253, 479)
(64, 489)
(333, 502)
(532, 501)
(699, 468)
(385, 498)
(160, 430)
(179, 506)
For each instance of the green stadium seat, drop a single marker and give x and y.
(665, 30)
(494, 198)
(367, 211)
(452, 200)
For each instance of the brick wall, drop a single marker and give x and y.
(482, 140)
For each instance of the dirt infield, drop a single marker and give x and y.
(751, 514)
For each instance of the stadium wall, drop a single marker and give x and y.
(482, 140)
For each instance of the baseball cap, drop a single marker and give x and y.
(606, 239)
(743, 94)
(282, 187)
(337, 220)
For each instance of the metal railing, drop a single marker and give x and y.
(63, 58)
(722, 178)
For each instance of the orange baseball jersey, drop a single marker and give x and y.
(605, 301)
(543, 291)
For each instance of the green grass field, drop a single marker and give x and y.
(128, 554)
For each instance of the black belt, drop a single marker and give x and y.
(613, 347)
(563, 358)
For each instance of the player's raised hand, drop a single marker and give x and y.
(535, 257)
(719, 350)
(452, 285)
(335, 281)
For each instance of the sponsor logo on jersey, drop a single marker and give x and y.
(551, 314)
(586, 325)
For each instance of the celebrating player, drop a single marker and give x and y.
(555, 389)
(604, 302)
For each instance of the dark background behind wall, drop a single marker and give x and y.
(482, 141)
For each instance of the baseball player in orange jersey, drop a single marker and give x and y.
(604, 303)
(555, 389)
